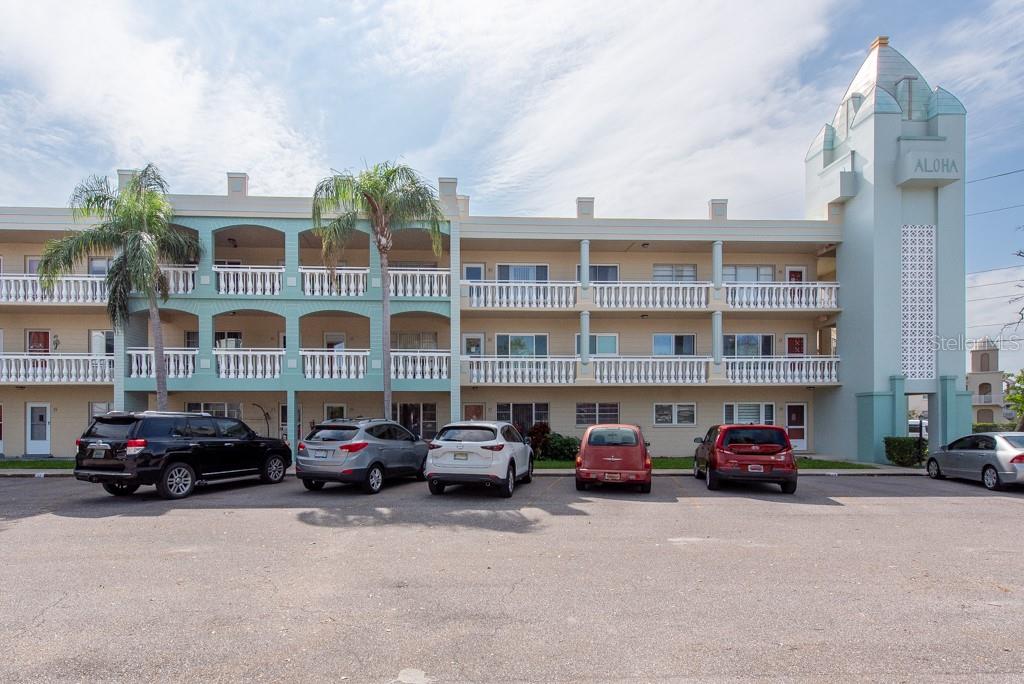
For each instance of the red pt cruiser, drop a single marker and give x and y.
(613, 453)
(755, 453)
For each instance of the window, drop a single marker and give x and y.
(32, 264)
(748, 413)
(522, 344)
(227, 339)
(101, 342)
(748, 274)
(668, 344)
(523, 416)
(334, 340)
(414, 340)
(613, 437)
(337, 433)
(163, 427)
(201, 427)
(191, 339)
(529, 273)
(99, 265)
(985, 364)
(467, 433)
(116, 428)
(420, 419)
(99, 408)
(748, 345)
(601, 273)
(674, 273)
(508, 433)
(334, 411)
(601, 344)
(231, 428)
(472, 412)
(675, 414)
(215, 408)
(773, 436)
(592, 413)
(473, 272)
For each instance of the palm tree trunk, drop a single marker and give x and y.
(159, 365)
(385, 312)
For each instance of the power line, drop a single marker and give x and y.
(992, 211)
(1001, 282)
(998, 175)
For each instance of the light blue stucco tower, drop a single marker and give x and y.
(891, 163)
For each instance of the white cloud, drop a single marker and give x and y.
(100, 81)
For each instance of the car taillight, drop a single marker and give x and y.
(1018, 459)
(493, 447)
(579, 460)
(78, 442)
(647, 461)
(302, 445)
(134, 446)
(353, 447)
(434, 445)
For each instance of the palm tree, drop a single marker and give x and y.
(134, 223)
(392, 196)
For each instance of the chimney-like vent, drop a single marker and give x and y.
(238, 184)
(718, 209)
(123, 176)
(584, 207)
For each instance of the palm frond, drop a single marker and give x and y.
(119, 290)
(61, 255)
(92, 197)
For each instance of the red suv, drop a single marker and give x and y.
(613, 453)
(756, 453)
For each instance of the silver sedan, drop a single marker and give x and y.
(993, 458)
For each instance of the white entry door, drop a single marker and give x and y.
(37, 429)
(796, 425)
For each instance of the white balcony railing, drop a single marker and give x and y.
(522, 370)
(782, 370)
(70, 289)
(251, 364)
(815, 295)
(650, 370)
(650, 295)
(985, 399)
(180, 279)
(335, 364)
(56, 368)
(486, 294)
(420, 364)
(419, 282)
(344, 282)
(180, 362)
(249, 280)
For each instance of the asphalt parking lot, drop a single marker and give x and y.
(855, 578)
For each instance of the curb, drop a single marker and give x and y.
(803, 473)
(37, 473)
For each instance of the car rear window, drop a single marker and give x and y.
(754, 436)
(1016, 441)
(612, 437)
(332, 433)
(162, 427)
(466, 433)
(110, 429)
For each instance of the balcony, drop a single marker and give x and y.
(782, 370)
(650, 370)
(419, 282)
(651, 295)
(782, 296)
(260, 281)
(70, 289)
(420, 364)
(180, 279)
(334, 364)
(180, 363)
(521, 295)
(249, 364)
(344, 282)
(985, 399)
(522, 370)
(45, 369)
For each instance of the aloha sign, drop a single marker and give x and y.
(936, 165)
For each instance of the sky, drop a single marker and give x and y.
(651, 107)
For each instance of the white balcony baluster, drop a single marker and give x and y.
(522, 370)
(650, 370)
(249, 280)
(346, 282)
(651, 295)
(56, 368)
(521, 295)
(70, 289)
(782, 370)
(419, 282)
(813, 295)
(250, 364)
(420, 364)
(180, 362)
(335, 364)
(180, 279)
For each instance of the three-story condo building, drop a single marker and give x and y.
(821, 325)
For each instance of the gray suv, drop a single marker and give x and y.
(361, 451)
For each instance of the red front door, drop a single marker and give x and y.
(38, 342)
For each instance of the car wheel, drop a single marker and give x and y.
(119, 488)
(788, 487)
(990, 478)
(529, 473)
(313, 485)
(436, 487)
(273, 469)
(711, 478)
(934, 471)
(374, 479)
(421, 474)
(645, 488)
(177, 482)
(509, 486)
(581, 486)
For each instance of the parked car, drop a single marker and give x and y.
(613, 453)
(364, 452)
(174, 451)
(755, 453)
(492, 453)
(993, 458)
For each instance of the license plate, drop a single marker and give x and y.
(321, 453)
(461, 456)
(755, 468)
(97, 453)
(611, 476)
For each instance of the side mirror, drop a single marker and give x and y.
(647, 444)
(698, 440)
(526, 440)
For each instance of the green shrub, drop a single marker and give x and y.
(994, 427)
(560, 447)
(538, 435)
(902, 451)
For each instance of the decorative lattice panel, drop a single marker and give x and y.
(917, 301)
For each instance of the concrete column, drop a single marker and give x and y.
(716, 264)
(584, 337)
(373, 282)
(205, 361)
(455, 322)
(897, 385)
(293, 339)
(292, 285)
(290, 431)
(716, 337)
(585, 264)
(206, 282)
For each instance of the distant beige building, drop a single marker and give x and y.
(985, 383)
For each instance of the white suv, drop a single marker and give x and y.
(478, 451)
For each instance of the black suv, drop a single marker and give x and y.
(175, 452)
